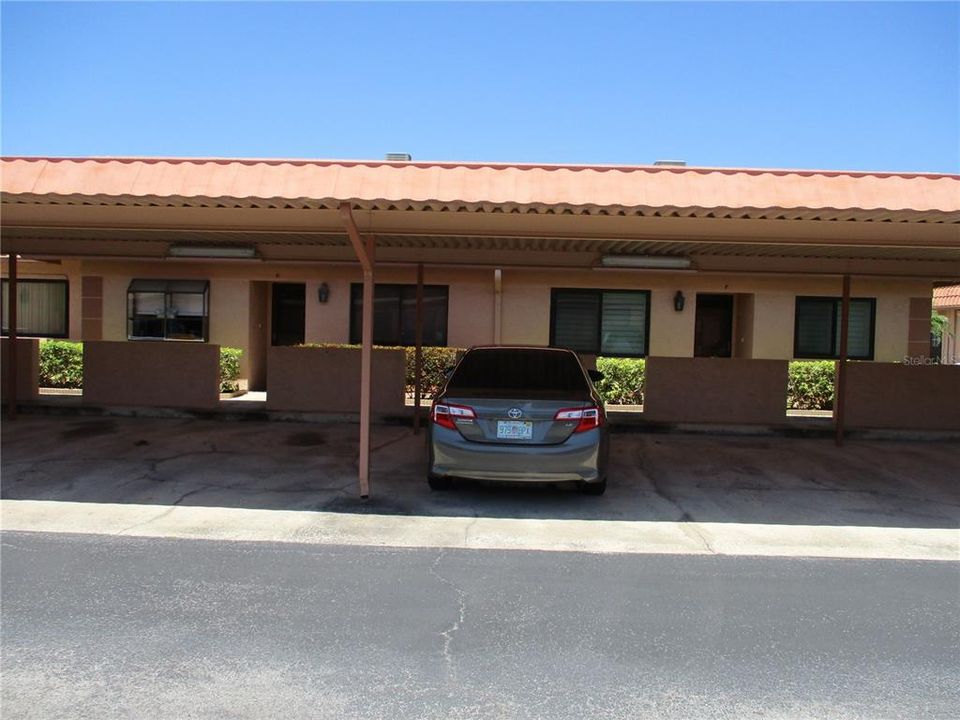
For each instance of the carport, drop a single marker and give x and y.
(687, 229)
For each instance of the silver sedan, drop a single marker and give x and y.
(519, 414)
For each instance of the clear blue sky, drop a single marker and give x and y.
(845, 85)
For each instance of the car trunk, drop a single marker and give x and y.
(517, 421)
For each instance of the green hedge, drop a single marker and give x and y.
(622, 384)
(61, 364)
(810, 385)
(435, 361)
(230, 369)
(623, 381)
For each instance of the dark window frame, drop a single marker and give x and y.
(167, 292)
(599, 292)
(5, 284)
(836, 302)
(356, 292)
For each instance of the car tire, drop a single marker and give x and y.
(437, 482)
(598, 488)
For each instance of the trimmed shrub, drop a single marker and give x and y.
(230, 369)
(61, 364)
(810, 385)
(435, 362)
(623, 380)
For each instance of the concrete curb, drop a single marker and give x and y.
(589, 536)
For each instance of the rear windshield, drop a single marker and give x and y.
(512, 372)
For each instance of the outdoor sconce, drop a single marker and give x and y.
(323, 292)
(678, 301)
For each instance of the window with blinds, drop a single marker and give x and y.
(395, 314)
(168, 310)
(817, 328)
(600, 322)
(41, 308)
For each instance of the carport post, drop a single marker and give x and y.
(365, 254)
(12, 297)
(840, 384)
(497, 305)
(418, 352)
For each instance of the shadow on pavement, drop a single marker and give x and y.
(653, 477)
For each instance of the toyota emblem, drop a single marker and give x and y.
(514, 413)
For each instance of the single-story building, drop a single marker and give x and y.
(946, 302)
(668, 262)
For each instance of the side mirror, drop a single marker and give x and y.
(595, 375)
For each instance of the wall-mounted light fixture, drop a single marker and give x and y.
(323, 292)
(678, 301)
(213, 251)
(663, 262)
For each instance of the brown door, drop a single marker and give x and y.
(289, 313)
(713, 334)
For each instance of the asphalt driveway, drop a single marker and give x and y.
(653, 477)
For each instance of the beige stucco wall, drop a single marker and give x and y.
(71, 270)
(891, 329)
(328, 322)
(671, 332)
(115, 306)
(471, 306)
(773, 315)
(950, 353)
(525, 310)
(525, 313)
(229, 319)
(743, 325)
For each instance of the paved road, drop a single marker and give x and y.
(103, 627)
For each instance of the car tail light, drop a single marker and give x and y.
(445, 414)
(587, 418)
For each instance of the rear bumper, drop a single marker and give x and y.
(582, 458)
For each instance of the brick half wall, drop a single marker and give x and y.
(151, 374)
(716, 390)
(28, 369)
(308, 379)
(903, 397)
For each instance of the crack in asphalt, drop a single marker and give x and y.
(163, 514)
(686, 521)
(689, 528)
(392, 441)
(449, 633)
(469, 527)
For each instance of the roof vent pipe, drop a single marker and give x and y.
(398, 157)
(670, 163)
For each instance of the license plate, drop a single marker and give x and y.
(514, 430)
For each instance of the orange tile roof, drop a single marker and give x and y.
(834, 195)
(945, 297)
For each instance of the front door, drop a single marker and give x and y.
(289, 313)
(713, 335)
